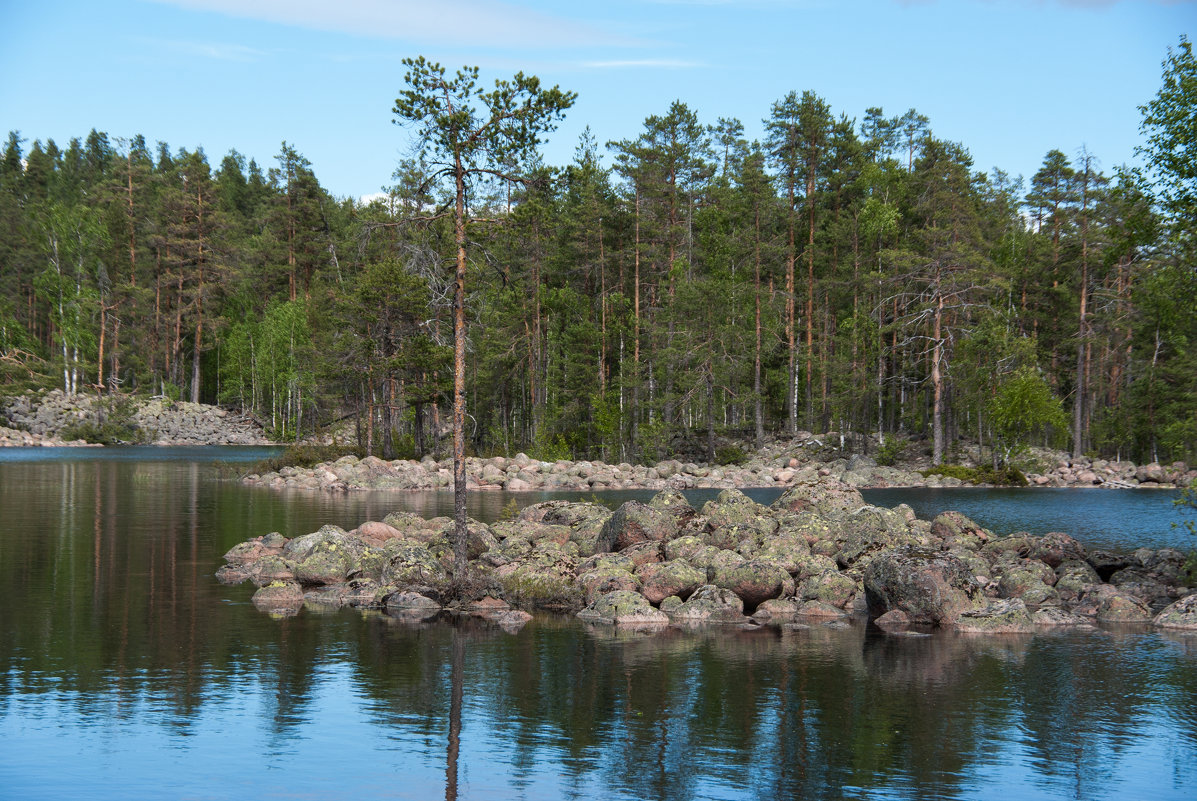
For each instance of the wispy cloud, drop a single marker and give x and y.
(214, 50)
(449, 22)
(658, 63)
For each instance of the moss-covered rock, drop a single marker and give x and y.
(632, 523)
(930, 586)
(411, 563)
(708, 604)
(754, 581)
(1180, 615)
(953, 529)
(1009, 616)
(604, 580)
(623, 608)
(830, 586)
(663, 579)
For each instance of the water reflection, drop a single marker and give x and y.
(119, 649)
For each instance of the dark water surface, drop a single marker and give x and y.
(128, 672)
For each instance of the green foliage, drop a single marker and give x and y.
(1005, 476)
(305, 456)
(113, 424)
(730, 455)
(890, 451)
(1187, 504)
(550, 448)
(1024, 405)
(509, 511)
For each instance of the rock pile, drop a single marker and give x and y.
(818, 552)
(767, 469)
(163, 422)
(1086, 472)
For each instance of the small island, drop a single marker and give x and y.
(819, 554)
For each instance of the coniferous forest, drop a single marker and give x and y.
(858, 275)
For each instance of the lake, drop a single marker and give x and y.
(128, 672)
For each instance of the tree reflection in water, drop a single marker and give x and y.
(112, 618)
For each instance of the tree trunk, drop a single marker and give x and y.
(460, 529)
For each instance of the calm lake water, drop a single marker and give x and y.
(128, 672)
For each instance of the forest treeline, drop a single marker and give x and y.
(855, 275)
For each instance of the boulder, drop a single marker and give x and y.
(953, 529)
(625, 608)
(754, 581)
(824, 496)
(830, 587)
(1119, 607)
(929, 586)
(411, 564)
(605, 580)
(1055, 548)
(673, 503)
(1074, 578)
(632, 523)
(1179, 615)
(663, 579)
(708, 604)
(279, 599)
(870, 530)
(1007, 616)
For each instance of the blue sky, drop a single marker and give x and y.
(1010, 79)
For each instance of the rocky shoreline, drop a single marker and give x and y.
(39, 419)
(775, 467)
(819, 554)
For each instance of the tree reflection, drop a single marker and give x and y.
(113, 613)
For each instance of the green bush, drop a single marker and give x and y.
(1003, 477)
(306, 456)
(114, 424)
(550, 449)
(890, 451)
(730, 454)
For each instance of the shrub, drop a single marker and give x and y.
(306, 456)
(1005, 476)
(730, 454)
(114, 424)
(890, 451)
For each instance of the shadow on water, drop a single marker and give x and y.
(119, 649)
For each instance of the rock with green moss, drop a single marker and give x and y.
(1007, 616)
(825, 497)
(633, 523)
(708, 604)
(831, 587)
(1016, 577)
(754, 581)
(1075, 578)
(1120, 607)
(604, 580)
(785, 549)
(928, 585)
(279, 598)
(623, 608)
(674, 577)
(411, 563)
(673, 503)
(953, 530)
(870, 530)
(733, 517)
(1180, 615)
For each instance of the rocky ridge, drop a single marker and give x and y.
(769, 468)
(819, 553)
(41, 419)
